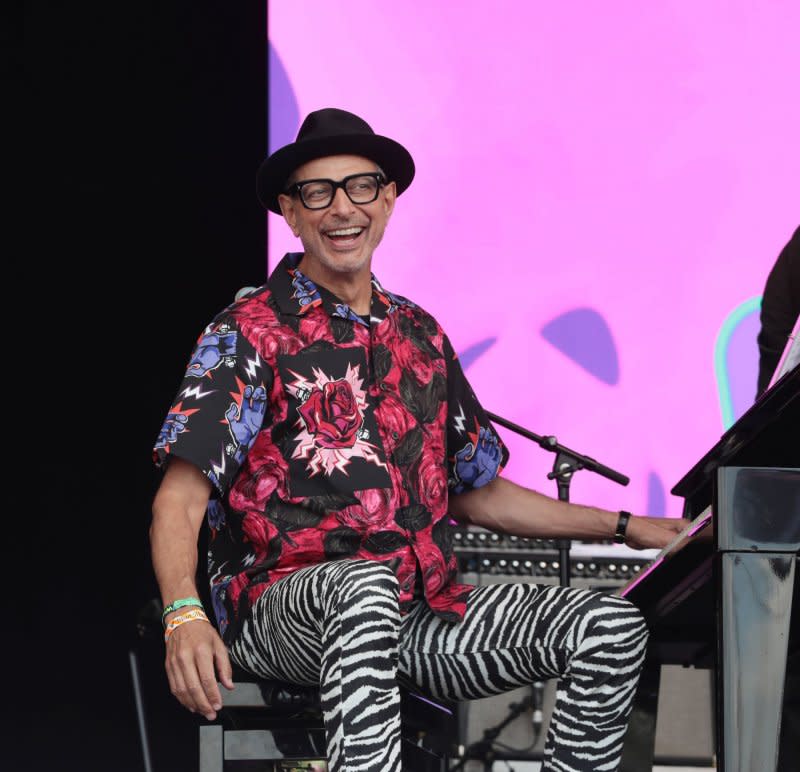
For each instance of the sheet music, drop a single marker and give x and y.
(684, 534)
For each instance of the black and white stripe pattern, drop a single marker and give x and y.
(514, 634)
(338, 624)
(335, 624)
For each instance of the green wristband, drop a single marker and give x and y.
(180, 603)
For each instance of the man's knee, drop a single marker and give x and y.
(619, 618)
(636, 618)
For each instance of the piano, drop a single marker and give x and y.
(724, 594)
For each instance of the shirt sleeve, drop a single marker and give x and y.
(220, 407)
(475, 452)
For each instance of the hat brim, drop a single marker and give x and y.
(391, 156)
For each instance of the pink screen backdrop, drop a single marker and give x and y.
(601, 191)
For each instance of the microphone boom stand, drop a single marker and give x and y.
(566, 463)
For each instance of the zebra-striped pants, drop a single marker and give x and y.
(337, 624)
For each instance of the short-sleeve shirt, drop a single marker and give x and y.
(328, 437)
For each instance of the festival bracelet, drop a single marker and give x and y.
(180, 603)
(181, 619)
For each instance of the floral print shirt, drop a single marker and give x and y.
(328, 436)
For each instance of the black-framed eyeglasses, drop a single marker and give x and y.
(318, 194)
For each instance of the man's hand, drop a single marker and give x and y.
(653, 532)
(196, 657)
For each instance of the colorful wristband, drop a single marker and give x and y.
(180, 603)
(622, 525)
(187, 616)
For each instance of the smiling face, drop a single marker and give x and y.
(339, 240)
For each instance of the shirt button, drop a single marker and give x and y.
(395, 435)
(385, 386)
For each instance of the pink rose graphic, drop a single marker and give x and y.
(331, 415)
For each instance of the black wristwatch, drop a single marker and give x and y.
(622, 525)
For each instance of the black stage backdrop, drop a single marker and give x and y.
(146, 123)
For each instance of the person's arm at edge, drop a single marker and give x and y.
(506, 507)
(195, 653)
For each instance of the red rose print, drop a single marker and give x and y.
(260, 327)
(316, 326)
(432, 480)
(397, 420)
(331, 415)
(267, 473)
(258, 530)
(237, 584)
(435, 575)
(375, 501)
(407, 357)
(373, 512)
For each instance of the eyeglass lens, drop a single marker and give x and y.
(361, 189)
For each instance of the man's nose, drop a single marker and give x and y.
(341, 204)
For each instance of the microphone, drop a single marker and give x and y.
(242, 292)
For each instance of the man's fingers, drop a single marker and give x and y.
(197, 697)
(177, 685)
(223, 663)
(196, 671)
(211, 692)
(198, 690)
(208, 680)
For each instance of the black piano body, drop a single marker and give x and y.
(724, 596)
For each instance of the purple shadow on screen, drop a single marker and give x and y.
(656, 498)
(471, 353)
(584, 336)
(284, 114)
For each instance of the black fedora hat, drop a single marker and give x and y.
(331, 131)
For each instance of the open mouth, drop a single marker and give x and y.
(345, 235)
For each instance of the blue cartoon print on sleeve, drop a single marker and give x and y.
(174, 424)
(218, 591)
(477, 464)
(216, 514)
(245, 420)
(211, 350)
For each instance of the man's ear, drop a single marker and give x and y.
(389, 196)
(287, 205)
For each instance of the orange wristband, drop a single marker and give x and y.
(187, 616)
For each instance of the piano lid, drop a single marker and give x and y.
(768, 434)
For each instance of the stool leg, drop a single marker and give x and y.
(212, 754)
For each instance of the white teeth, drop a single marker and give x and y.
(346, 232)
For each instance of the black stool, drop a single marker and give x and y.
(264, 720)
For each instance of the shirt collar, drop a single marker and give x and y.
(297, 295)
